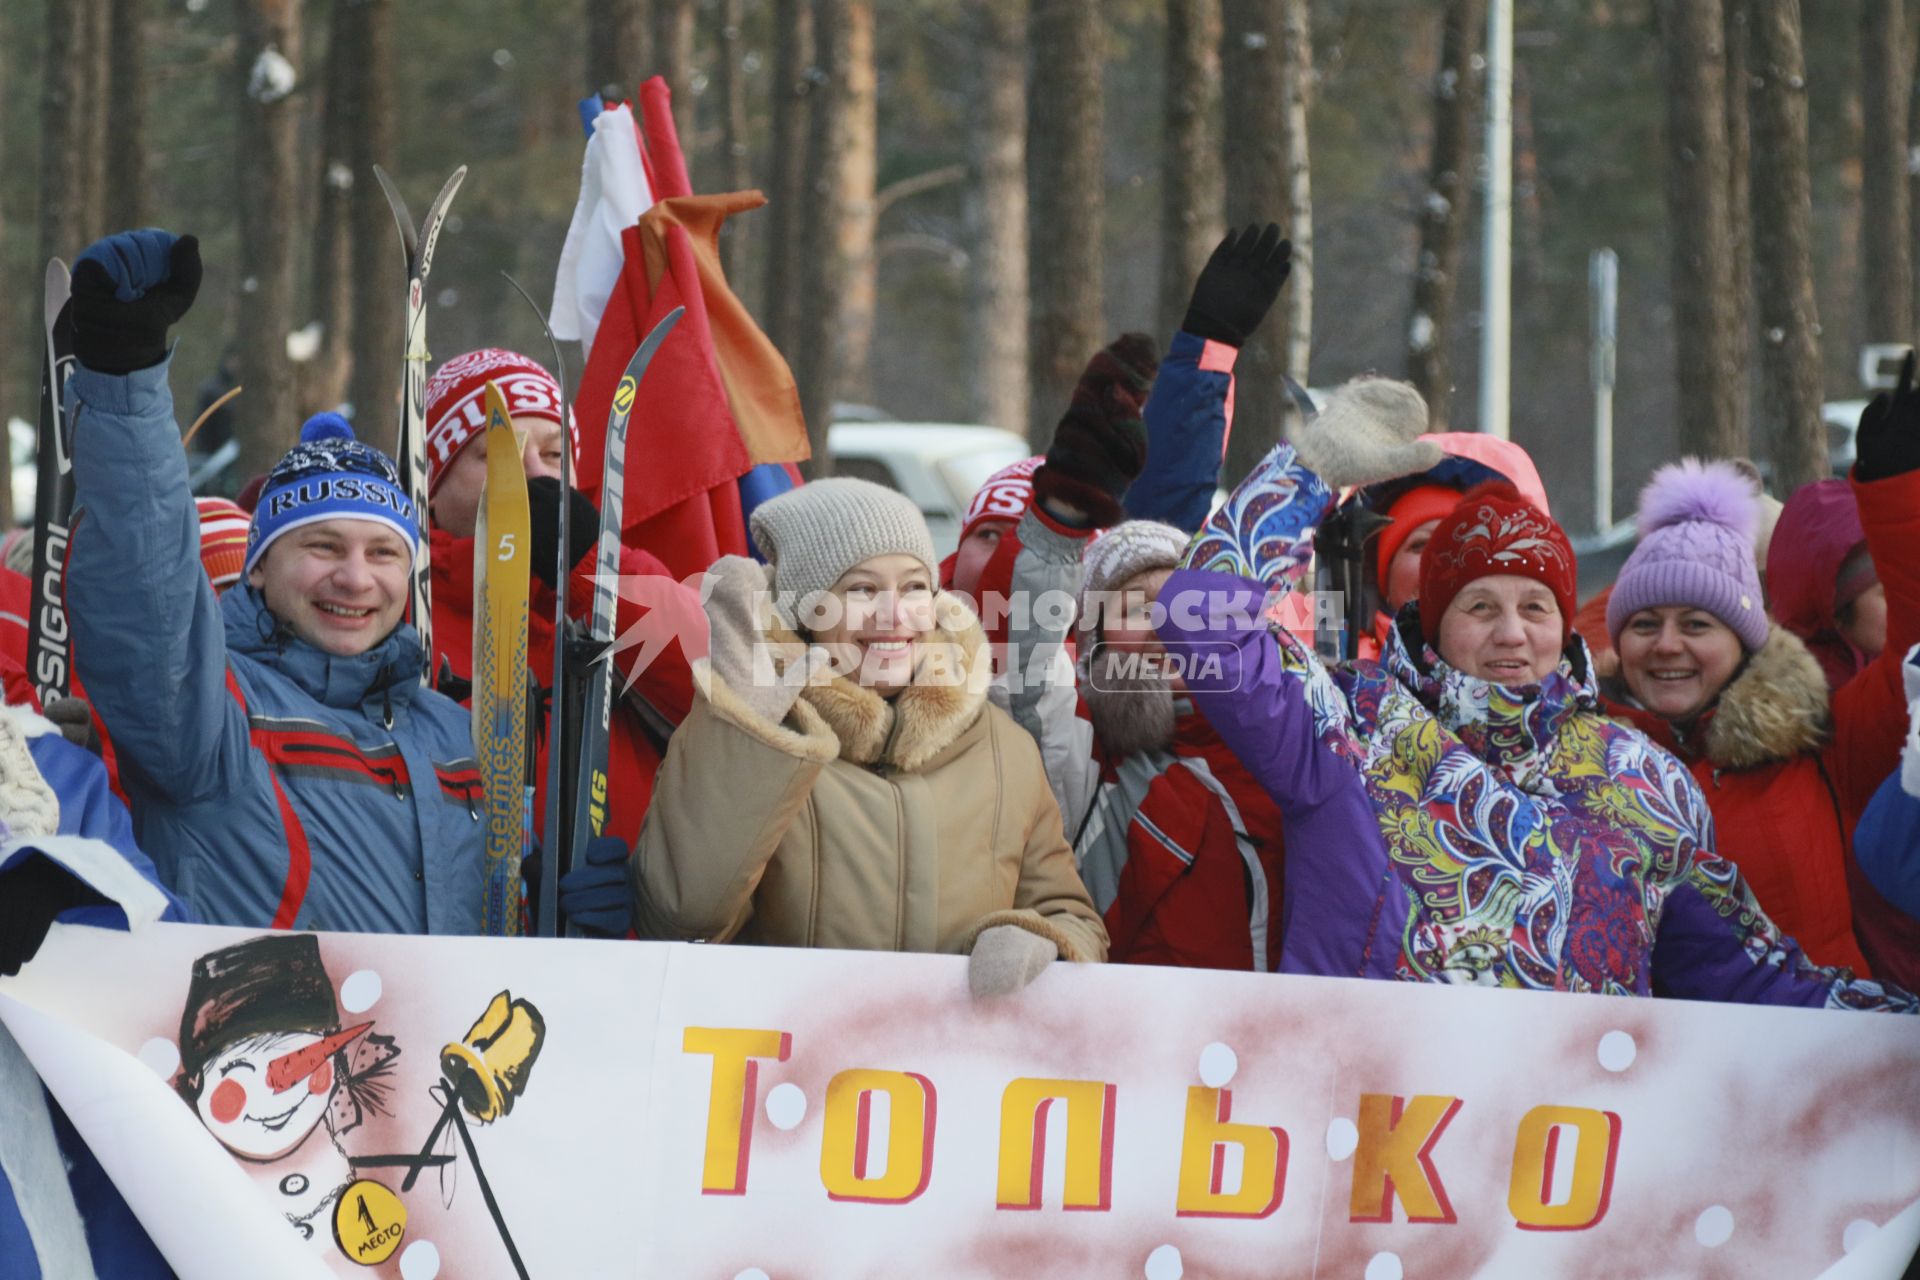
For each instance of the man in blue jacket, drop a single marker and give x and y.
(286, 767)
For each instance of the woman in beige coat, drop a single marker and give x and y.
(841, 780)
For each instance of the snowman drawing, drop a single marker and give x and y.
(265, 1063)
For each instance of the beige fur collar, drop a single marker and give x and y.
(1774, 710)
(948, 692)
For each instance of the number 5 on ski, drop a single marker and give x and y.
(500, 664)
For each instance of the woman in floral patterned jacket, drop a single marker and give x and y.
(1525, 839)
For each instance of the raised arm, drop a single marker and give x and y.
(1870, 710)
(1191, 410)
(1039, 687)
(148, 638)
(739, 770)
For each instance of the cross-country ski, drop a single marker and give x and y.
(410, 451)
(49, 657)
(500, 725)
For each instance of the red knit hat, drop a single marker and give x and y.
(1408, 512)
(456, 400)
(1494, 531)
(223, 540)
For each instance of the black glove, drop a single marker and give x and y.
(32, 895)
(128, 289)
(1100, 446)
(456, 687)
(1888, 443)
(1239, 284)
(543, 515)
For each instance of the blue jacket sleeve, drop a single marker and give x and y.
(1187, 422)
(148, 639)
(1887, 843)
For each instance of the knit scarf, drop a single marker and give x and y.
(1514, 728)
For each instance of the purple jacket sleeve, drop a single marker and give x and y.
(1187, 420)
(1714, 942)
(1343, 910)
(1701, 954)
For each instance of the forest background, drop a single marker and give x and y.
(969, 196)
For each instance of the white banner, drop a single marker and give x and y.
(306, 1104)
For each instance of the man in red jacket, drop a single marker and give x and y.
(660, 692)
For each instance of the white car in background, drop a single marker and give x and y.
(939, 465)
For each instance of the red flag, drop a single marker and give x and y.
(700, 421)
(683, 451)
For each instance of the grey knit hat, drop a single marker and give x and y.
(813, 534)
(1122, 552)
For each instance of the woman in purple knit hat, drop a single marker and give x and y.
(1786, 767)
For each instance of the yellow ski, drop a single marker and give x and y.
(500, 728)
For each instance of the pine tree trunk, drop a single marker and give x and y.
(1740, 212)
(268, 164)
(1190, 153)
(14, 355)
(827, 267)
(1066, 204)
(1782, 246)
(1888, 268)
(62, 135)
(126, 147)
(331, 279)
(996, 215)
(378, 328)
(728, 82)
(1298, 45)
(1913, 190)
(1444, 211)
(1692, 35)
(672, 43)
(616, 46)
(788, 198)
(1839, 290)
(856, 164)
(96, 104)
(1254, 133)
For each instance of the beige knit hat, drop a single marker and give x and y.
(814, 534)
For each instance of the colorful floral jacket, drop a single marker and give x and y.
(1529, 841)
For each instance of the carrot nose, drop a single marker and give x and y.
(289, 1069)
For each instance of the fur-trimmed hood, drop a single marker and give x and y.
(909, 731)
(1773, 710)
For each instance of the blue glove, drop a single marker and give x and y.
(128, 289)
(594, 895)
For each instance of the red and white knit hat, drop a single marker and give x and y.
(223, 540)
(1006, 495)
(456, 401)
